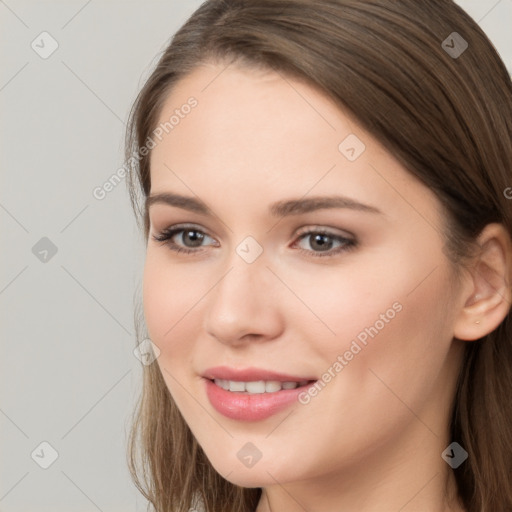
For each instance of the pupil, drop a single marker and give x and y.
(321, 241)
(195, 237)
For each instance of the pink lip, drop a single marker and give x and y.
(251, 375)
(250, 407)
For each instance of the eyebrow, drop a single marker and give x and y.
(279, 209)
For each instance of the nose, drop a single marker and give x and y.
(243, 306)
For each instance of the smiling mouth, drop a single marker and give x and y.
(260, 386)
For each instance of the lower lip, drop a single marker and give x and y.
(251, 407)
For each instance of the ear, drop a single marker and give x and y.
(488, 296)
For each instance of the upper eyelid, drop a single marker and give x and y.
(182, 227)
(302, 230)
(321, 229)
(177, 228)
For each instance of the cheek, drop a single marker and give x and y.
(169, 296)
(404, 335)
(380, 312)
(340, 303)
(397, 363)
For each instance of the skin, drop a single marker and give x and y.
(372, 439)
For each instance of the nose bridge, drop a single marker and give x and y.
(240, 288)
(247, 272)
(240, 303)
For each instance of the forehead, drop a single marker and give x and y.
(251, 107)
(258, 136)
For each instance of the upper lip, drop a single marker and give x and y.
(251, 375)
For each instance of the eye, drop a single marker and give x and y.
(191, 241)
(190, 236)
(322, 241)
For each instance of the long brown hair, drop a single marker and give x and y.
(447, 118)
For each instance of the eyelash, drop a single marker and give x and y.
(165, 238)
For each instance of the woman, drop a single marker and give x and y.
(324, 189)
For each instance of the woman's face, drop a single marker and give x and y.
(314, 256)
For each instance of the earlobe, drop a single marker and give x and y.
(489, 298)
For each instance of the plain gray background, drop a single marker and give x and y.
(68, 373)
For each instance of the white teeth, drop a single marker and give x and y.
(224, 384)
(236, 386)
(272, 386)
(257, 387)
